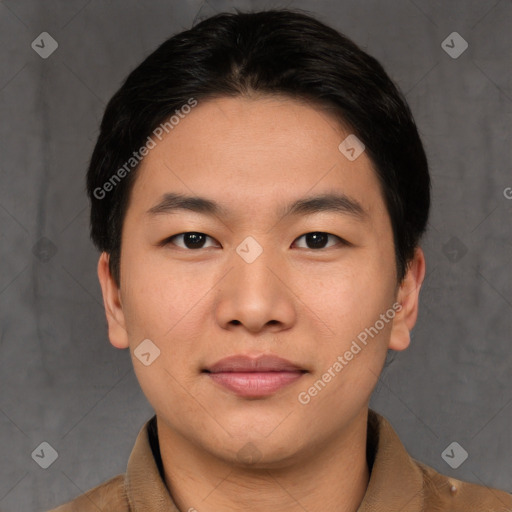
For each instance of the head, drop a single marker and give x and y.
(202, 153)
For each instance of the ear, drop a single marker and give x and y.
(112, 302)
(408, 297)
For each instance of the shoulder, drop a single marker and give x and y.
(398, 478)
(109, 495)
(443, 493)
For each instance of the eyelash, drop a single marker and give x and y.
(168, 240)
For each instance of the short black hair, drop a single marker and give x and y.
(276, 52)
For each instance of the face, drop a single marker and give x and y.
(257, 277)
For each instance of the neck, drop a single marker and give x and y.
(331, 476)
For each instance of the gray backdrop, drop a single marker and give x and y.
(61, 382)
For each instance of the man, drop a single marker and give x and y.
(259, 191)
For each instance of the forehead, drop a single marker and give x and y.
(254, 152)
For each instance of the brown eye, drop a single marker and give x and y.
(191, 240)
(318, 239)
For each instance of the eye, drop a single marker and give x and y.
(196, 240)
(318, 239)
(191, 240)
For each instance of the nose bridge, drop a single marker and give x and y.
(251, 263)
(253, 295)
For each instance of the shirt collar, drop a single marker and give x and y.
(396, 481)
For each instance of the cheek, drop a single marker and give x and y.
(150, 290)
(351, 305)
(165, 302)
(159, 307)
(355, 291)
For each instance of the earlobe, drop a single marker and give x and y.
(408, 297)
(113, 306)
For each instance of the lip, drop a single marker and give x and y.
(246, 363)
(254, 377)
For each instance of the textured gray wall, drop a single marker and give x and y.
(60, 379)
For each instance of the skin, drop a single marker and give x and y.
(306, 304)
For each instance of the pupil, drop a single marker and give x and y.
(197, 239)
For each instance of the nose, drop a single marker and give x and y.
(256, 293)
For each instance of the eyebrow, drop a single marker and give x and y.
(329, 202)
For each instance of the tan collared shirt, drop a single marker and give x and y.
(397, 481)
